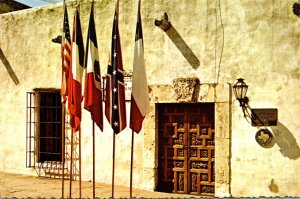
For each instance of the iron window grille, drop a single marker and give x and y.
(43, 127)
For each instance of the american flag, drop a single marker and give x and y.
(66, 55)
(115, 110)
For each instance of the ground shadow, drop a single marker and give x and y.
(286, 141)
(183, 47)
(9, 68)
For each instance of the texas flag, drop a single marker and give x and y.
(76, 71)
(139, 96)
(92, 91)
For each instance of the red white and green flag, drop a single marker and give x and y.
(92, 91)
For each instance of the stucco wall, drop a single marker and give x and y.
(261, 44)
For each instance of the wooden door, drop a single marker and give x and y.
(186, 148)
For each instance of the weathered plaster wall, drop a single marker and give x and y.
(261, 44)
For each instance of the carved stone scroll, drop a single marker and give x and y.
(186, 89)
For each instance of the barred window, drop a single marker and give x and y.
(44, 126)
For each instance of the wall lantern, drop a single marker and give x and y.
(259, 117)
(240, 90)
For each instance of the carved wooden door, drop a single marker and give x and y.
(186, 148)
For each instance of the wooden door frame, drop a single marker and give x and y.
(219, 94)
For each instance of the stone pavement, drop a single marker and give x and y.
(25, 186)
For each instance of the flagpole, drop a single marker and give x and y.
(63, 132)
(131, 162)
(93, 159)
(80, 162)
(71, 166)
(93, 144)
(79, 131)
(116, 67)
(113, 166)
(63, 150)
(114, 136)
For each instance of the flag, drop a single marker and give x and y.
(115, 110)
(75, 72)
(92, 91)
(139, 96)
(66, 56)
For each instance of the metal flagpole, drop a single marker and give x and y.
(63, 131)
(78, 5)
(93, 159)
(113, 166)
(80, 162)
(131, 162)
(114, 136)
(63, 150)
(93, 141)
(116, 68)
(71, 166)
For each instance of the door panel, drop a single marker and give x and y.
(186, 148)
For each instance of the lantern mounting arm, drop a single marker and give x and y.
(247, 110)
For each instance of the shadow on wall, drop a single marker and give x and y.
(172, 33)
(9, 68)
(183, 47)
(286, 141)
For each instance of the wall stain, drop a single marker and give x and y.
(295, 74)
(273, 187)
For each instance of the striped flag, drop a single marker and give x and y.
(115, 110)
(139, 96)
(92, 91)
(66, 56)
(76, 71)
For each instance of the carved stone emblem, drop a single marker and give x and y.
(186, 89)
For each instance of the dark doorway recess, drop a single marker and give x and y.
(50, 143)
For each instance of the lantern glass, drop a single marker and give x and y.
(240, 89)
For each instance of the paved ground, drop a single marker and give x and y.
(24, 186)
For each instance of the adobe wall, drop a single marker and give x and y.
(259, 42)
